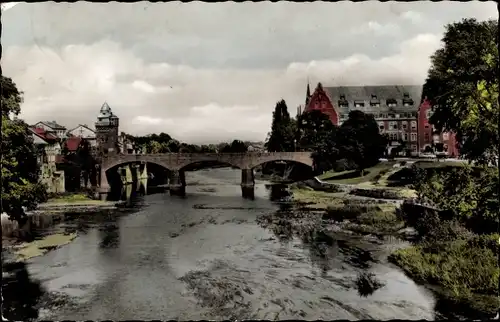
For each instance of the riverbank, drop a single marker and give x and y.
(452, 273)
(77, 202)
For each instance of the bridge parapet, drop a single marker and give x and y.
(177, 161)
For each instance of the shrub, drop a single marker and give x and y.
(458, 267)
(376, 193)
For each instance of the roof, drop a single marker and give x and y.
(72, 143)
(41, 133)
(105, 112)
(82, 125)
(382, 93)
(53, 125)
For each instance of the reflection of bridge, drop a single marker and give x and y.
(177, 162)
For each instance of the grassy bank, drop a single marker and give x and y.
(458, 264)
(465, 270)
(76, 198)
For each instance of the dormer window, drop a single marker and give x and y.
(406, 95)
(391, 102)
(374, 102)
(343, 104)
(359, 103)
(342, 97)
(407, 101)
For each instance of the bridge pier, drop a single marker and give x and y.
(103, 182)
(177, 183)
(247, 183)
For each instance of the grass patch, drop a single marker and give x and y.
(384, 193)
(366, 218)
(39, 247)
(353, 177)
(73, 198)
(316, 199)
(465, 269)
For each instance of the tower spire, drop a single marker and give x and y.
(308, 93)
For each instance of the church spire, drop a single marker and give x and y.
(308, 94)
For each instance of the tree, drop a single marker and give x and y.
(359, 140)
(313, 128)
(281, 137)
(20, 184)
(238, 146)
(462, 85)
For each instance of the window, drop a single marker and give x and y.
(381, 125)
(406, 95)
(428, 113)
(391, 116)
(426, 137)
(405, 136)
(445, 136)
(359, 103)
(343, 104)
(414, 148)
(374, 97)
(393, 125)
(445, 148)
(414, 137)
(393, 136)
(426, 125)
(397, 116)
(342, 97)
(374, 104)
(391, 102)
(404, 124)
(413, 125)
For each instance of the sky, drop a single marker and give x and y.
(212, 72)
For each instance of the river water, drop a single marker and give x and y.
(215, 255)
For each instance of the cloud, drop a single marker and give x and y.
(218, 76)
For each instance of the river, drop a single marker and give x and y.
(215, 255)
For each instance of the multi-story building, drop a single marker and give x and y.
(394, 107)
(400, 112)
(52, 127)
(48, 154)
(429, 140)
(107, 131)
(84, 132)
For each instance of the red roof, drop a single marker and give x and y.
(43, 134)
(72, 143)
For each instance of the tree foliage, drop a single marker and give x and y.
(359, 140)
(20, 184)
(282, 135)
(462, 84)
(314, 128)
(471, 194)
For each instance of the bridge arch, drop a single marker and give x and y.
(106, 166)
(304, 158)
(189, 166)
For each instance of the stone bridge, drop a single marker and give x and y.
(177, 162)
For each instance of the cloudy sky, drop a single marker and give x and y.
(211, 72)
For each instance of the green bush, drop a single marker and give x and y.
(459, 267)
(376, 193)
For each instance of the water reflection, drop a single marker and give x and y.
(326, 249)
(20, 293)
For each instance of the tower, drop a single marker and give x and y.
(107, 131)
(308, 94)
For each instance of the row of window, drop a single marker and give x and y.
(375, 102)
(394, 125)
(403, 136)
(413, 137)
(388, 115)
